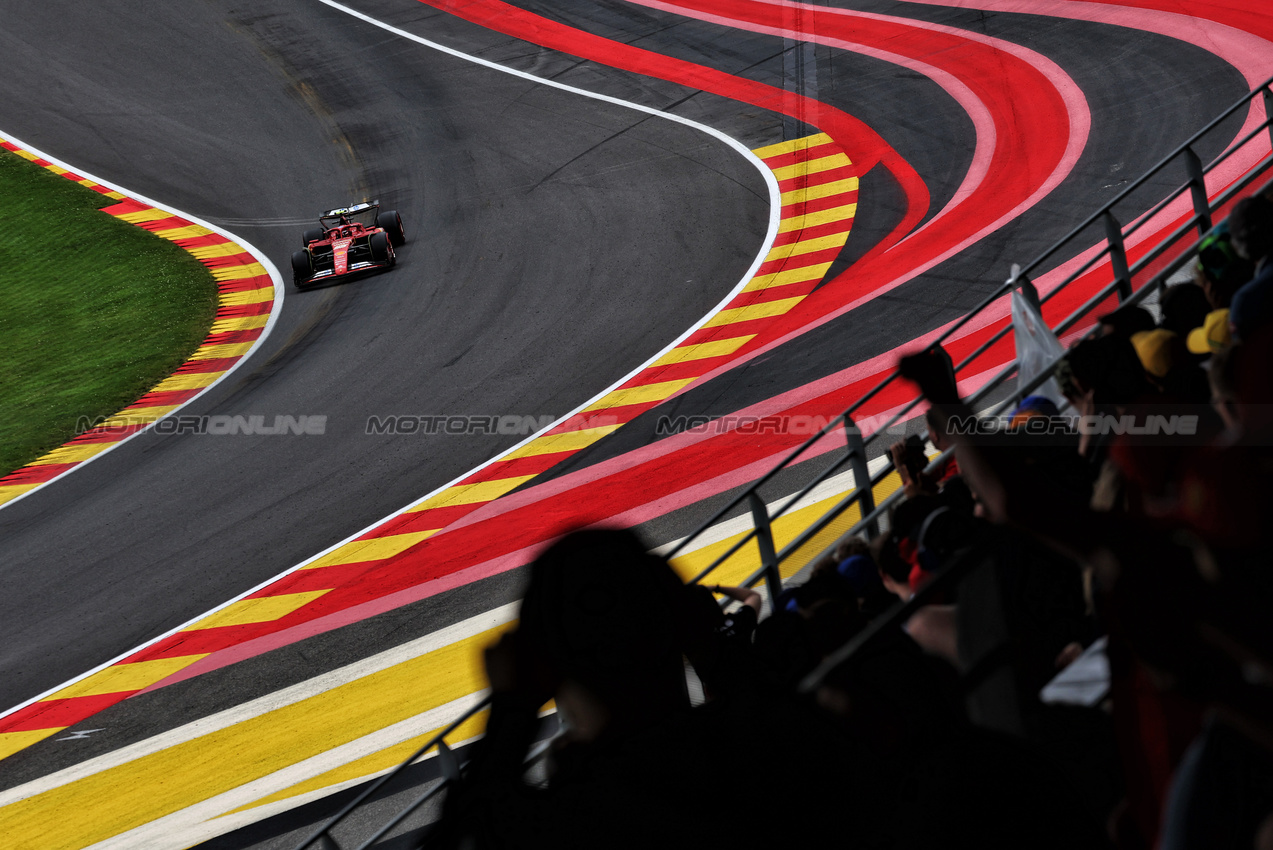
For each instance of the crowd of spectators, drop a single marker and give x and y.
(1153, 534)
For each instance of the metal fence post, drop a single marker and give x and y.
(1118, 256)
(1198, 190)
(1268, 109)
(765, 542)
(450, 764)
(861, 474)
(1030, 291)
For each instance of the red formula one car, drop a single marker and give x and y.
(352, 241)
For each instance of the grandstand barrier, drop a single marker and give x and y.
(1163, 239)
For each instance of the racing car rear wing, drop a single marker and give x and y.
(354, 210)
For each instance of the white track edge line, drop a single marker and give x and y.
(775, 208)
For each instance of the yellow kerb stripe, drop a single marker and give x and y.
(71, 454)
(262, 609)
(473, 494)
(376, 549)
(785, 529)
(825, 190)
(138, 416)
(703, 350)
(813, 219)
(567, 441)
(126, 677)
(239, 272)
(225, 349)
(9, 492)
(752, 311)
(27, 155)
(189, 232)
(225, 249)
(245, 323)
(195, 381)
(12, 742)
(812, 166)
(639, 395)
(792, 146)
(801, 274)
(149, 214)
(251, 296)
(807, 246)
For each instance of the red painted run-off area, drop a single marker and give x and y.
(1016, 95)
(1032, 127)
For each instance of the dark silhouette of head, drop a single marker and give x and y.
(605, 613)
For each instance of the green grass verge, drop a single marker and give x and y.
(93, 311)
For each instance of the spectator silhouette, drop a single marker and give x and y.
(603, 628)
(1251, 233)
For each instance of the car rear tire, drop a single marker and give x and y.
(312, 235)
(390, 222)
(302, 267)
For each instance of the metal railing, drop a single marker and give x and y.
(1154, 264)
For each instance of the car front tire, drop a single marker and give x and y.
(302, 267)
(380, 248)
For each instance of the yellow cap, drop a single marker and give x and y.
(1213, 335)
(1156, 350)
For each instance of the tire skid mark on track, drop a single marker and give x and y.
(287, 609)
(245, 306)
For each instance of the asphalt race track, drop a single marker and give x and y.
(532, 245)
(555, 243)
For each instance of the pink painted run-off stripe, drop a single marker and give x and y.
(984, 123)
(1231, 31)
(963, 58)
(1249, 52)
(785, 403)
(581, 44)
(658, 507)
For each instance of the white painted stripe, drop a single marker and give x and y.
(192, 834)
(775, 208)
(270, 702)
